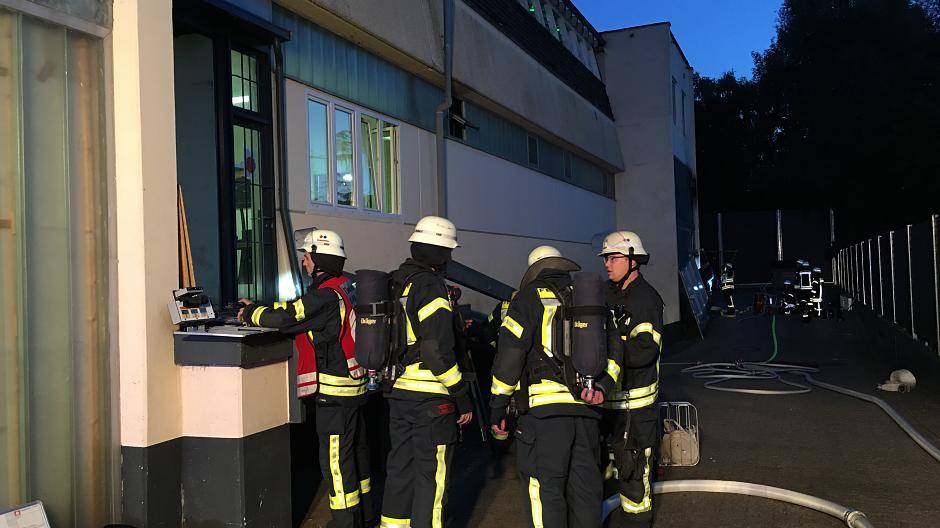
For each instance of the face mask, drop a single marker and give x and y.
(435, 256)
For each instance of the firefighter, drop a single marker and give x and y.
(429, 400)
(557, 436)
(630, 422)
(727, 290)
(328, 377)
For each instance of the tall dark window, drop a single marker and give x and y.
(250, 208)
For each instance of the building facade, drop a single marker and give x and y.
(260, 119)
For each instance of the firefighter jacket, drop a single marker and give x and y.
(529, 339)
(638, 315)
(324, 366)
(493, 323)
(428, 367)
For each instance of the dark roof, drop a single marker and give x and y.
(521, 27)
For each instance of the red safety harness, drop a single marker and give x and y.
(306, 355)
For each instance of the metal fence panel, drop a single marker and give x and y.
(884, 264)
(874, 265)
(902, 280)
(924, 283)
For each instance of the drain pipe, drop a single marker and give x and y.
(852, 518)
(444, 107)
(286, 223)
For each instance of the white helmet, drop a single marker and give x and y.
(326, 243)
(541, 252)
(626, 243)
(436, 231)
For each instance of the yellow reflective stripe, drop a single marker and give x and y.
(391, 522)
(502, 389)
(341, 380)
(535, 500)
(623, 338)
(335, 472)
(451, 377)
(437, 304)
(414, 371)
(280, 305)
(433, 387)
(330, 390)
(342, 307)
(548, 314)
(256, 315)
(643, 391)
(646, 503)
(299, 309)
(545, 293)
(365, 486)
(647, 327)
(406, 292)
(440, 480)
(638, 403)
(550, 399)
(510, 324)
(412, 338)
(547, 386)
(347, 501)
(613, 369)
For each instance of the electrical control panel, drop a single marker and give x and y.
(190, 307)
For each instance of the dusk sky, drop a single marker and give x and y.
(716, 35)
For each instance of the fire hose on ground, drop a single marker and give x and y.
(852, 518)
(719, 373)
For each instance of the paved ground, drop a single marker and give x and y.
(821, 443)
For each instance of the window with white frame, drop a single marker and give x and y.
(353, 157)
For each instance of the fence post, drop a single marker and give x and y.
(871, 276)
(881, 280)
(910, 280)
(936, 278)
(894, 294)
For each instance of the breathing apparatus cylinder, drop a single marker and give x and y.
(588, 327)
(373, 323)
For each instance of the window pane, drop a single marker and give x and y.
(249, 221)
(319, 152)
(343, 146)
(369, 162)
(390, 167)
(533, 150)
(244, 81)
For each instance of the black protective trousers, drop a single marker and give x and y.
(632, 438)
(558, 465)
(344, 462)
(422, 437)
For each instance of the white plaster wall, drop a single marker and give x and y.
(683, 141)
(636, 66)
(231, 402)
(502, 210)
(144, 147)
(408, 33)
